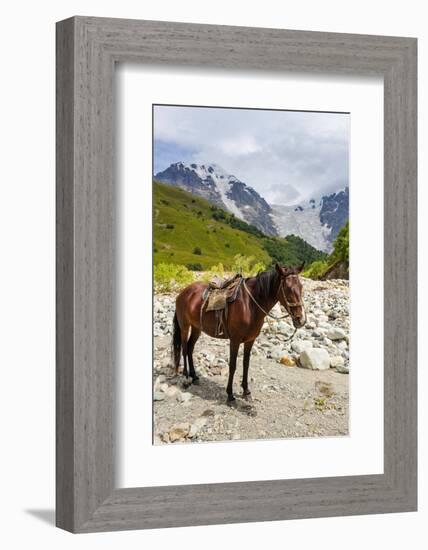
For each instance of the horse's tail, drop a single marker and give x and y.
(176, 343)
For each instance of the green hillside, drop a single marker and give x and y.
(190, 231)
(183, 225)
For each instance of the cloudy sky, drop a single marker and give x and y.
(287, 156)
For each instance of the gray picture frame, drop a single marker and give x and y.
(87, 51)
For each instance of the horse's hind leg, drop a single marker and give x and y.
(190, 347)
(234, 347)
(247, 354)
(184, 347)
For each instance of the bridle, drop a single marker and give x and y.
(288, 305)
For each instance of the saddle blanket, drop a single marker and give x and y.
(218, 298)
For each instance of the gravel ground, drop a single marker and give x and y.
(287, 400)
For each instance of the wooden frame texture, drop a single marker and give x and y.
(87, 50)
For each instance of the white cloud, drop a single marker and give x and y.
(287, 156)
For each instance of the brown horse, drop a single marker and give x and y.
(257, 296)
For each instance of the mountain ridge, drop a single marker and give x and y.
(214, 184)
(316, 221)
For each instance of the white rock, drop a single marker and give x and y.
(171, 391)
(336, 333)
(343, 369)
(277, 353)
(321, 319)
(166, 363)
(337, 361)
(197, 425)
(283, 327)
(276, 310)
(159, 381)
(315, 359)
(300, 345)
(184, 397)
(158, 396)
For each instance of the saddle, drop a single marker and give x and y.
(217, 296)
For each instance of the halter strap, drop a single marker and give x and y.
(290, 304)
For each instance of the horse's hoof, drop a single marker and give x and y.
(230, 399)
(247, 395)
(195, 380)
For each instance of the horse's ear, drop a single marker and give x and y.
(300, 268)
(278, 268)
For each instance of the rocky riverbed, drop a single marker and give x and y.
(299, 388)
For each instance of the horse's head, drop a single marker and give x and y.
(290, 293)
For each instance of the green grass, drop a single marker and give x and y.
(190, 231)
(193, 228)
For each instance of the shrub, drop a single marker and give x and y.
(341, 245)
(247, 265)
(340, 255)
(236, 223)
(219, 215)
(170, 277)
(195, 267)
(197, 251)
(316, 270)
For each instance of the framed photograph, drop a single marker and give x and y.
(236, 274)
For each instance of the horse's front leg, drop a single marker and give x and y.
(247, 354)
(234, 347)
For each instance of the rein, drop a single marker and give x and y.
(268, 314)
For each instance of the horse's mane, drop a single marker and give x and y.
(266, 282)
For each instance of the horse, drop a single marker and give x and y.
(246, 314)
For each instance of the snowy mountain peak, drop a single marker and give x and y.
(212, 182)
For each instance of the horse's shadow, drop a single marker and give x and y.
(211, 391)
